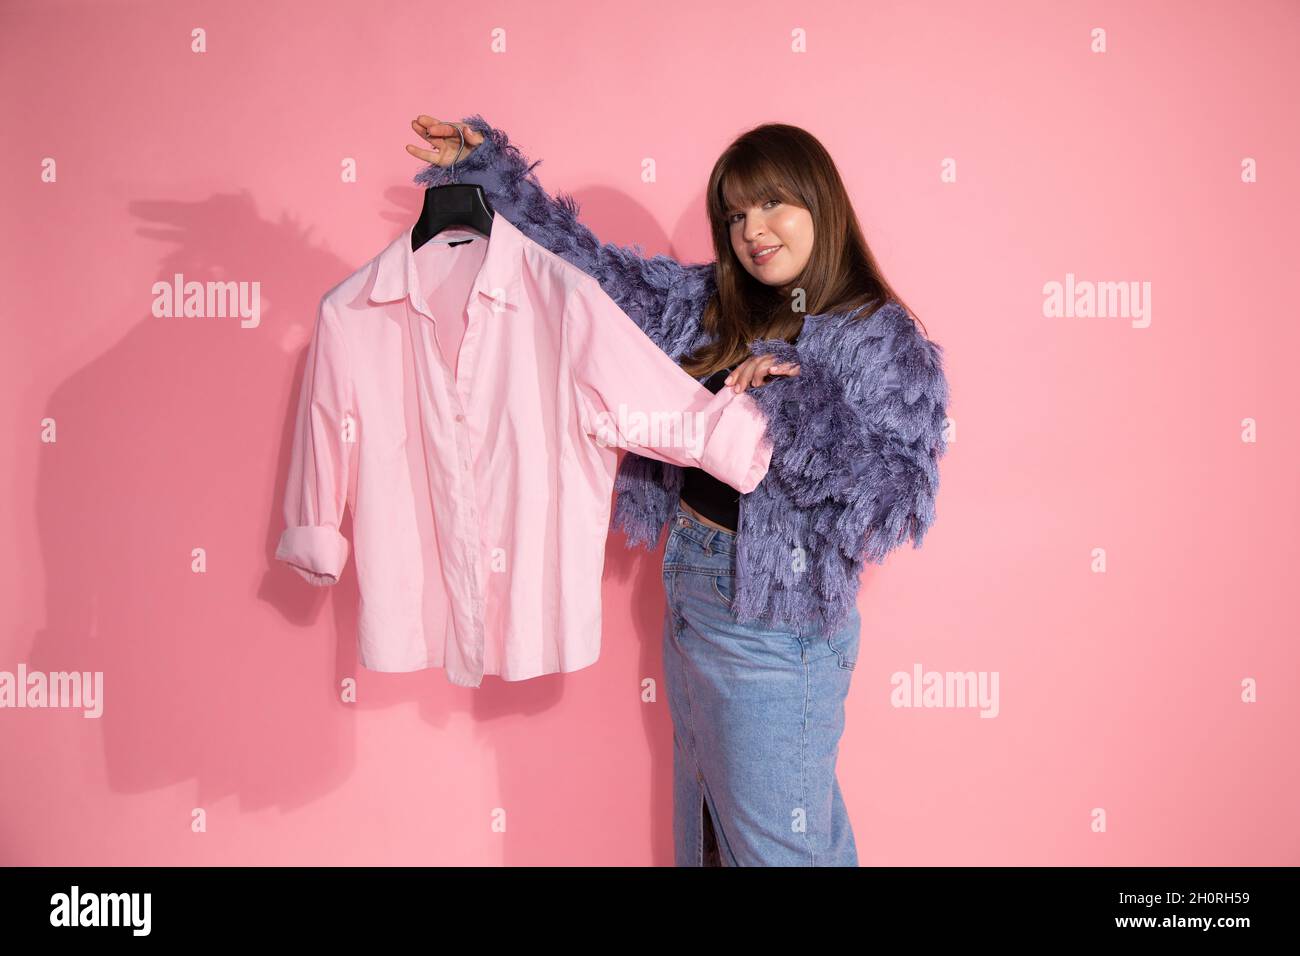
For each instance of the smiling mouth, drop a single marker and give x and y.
(765, 255)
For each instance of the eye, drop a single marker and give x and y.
(771, 202)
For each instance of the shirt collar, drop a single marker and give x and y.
(498, 280)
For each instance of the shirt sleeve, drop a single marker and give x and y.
(632, 395)
(322, 459)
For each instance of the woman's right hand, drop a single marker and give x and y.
(443, 140)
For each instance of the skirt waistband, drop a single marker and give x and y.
(709, 538)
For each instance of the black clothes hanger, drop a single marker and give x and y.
(452, 204)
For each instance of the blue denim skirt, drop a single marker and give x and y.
(757, 717)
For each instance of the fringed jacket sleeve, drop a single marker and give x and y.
(657, 292)
(861, 425)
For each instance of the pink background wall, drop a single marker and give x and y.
(1123, 691)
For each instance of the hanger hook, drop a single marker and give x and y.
(460, 149)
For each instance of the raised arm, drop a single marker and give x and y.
(660, 294)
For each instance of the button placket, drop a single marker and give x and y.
(465, 516)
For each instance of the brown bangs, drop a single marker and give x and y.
(751, 180)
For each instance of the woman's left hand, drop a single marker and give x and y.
(754, 372)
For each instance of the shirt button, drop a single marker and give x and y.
(681, 522)
(460, 418)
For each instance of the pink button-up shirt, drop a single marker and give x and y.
(465, 401)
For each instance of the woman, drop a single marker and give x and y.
(762, 629)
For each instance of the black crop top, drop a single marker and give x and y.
(712, 498)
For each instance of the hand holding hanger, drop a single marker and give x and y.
(450, 203)
(444, 139)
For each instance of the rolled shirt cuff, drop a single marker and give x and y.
(318, 553)
(738, 451)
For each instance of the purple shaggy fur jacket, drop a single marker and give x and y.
(857, 434)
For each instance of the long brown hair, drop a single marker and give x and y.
(786, 163)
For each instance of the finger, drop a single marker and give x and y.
(758, 377)
(443, 136)
(424, 154)
(452, 132)
(433, 155)
(430, 128)
(746, 376)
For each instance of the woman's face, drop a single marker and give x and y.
(782, 231)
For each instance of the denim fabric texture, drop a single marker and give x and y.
(757, 714)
